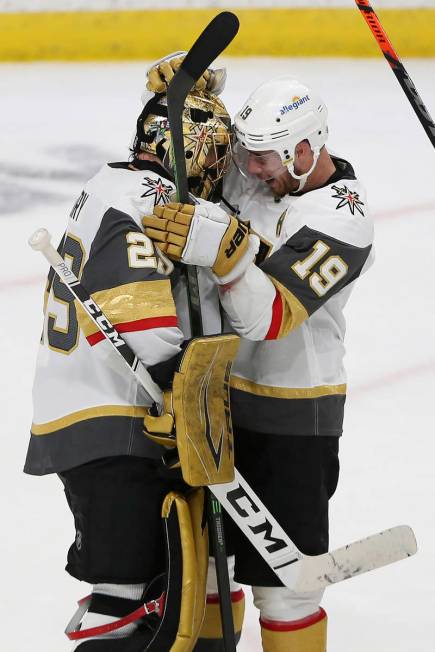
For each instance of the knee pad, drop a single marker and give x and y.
(172, 620)
(279, 603)
(304, 635)
(210, 636)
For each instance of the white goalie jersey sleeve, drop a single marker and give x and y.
(86, 404)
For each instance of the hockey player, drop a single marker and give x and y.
(89, 414)
(309, 220)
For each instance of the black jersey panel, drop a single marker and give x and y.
(109, 264)
(314, 266)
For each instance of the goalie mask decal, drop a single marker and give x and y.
(207, 137)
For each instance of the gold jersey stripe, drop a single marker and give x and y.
(271, 31)
(88, 413)
(286, 392)
(130, 302)
(293, 314)
(46, 295)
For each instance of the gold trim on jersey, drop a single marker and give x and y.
(46, 295)
(267, 245)
(130, 302)
(269, 391)
(293, 313)
(280, 223)
(88, 413)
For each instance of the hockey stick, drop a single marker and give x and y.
(41, 241)
(295, 570)
(398, 68)
(211, 42)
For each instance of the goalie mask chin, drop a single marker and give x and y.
(207, 139)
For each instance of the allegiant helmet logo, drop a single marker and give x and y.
(295, 104)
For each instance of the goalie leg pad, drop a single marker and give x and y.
(194, 544)
(304, 635)
(172, 621)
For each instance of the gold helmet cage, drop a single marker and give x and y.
(207, 139)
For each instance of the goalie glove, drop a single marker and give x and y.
(204, 235)
(161, 72)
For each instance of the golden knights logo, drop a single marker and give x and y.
(348, 198)
(158, 190)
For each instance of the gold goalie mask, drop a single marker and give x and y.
(207, 139)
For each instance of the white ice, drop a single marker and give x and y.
(59, 123)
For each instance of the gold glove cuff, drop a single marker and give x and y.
(233, 246)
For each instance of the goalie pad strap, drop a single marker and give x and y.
(74, 634)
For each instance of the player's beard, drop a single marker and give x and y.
(282, 184)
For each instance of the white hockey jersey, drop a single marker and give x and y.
(314, 245)
(86, 404)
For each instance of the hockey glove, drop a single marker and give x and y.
(204, 235)
(161, 73)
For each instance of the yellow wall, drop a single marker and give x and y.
(148, 34)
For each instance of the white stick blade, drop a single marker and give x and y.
(356, 558)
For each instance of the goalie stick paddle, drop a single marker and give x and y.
(214, 39)
(296, 571)
(398, 68)
(211, 42)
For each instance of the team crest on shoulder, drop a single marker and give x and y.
(348, 198)
(157, 189)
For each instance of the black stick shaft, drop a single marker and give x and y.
(398, 68)
(216, 526)
(213, 40)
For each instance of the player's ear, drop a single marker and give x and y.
(301, 148)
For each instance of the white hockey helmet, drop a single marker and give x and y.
(277, 116)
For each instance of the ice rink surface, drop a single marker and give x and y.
(59, 123)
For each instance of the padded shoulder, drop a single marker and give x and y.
(135, 192)
(338, 210)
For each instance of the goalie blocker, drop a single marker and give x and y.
(197, 417)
